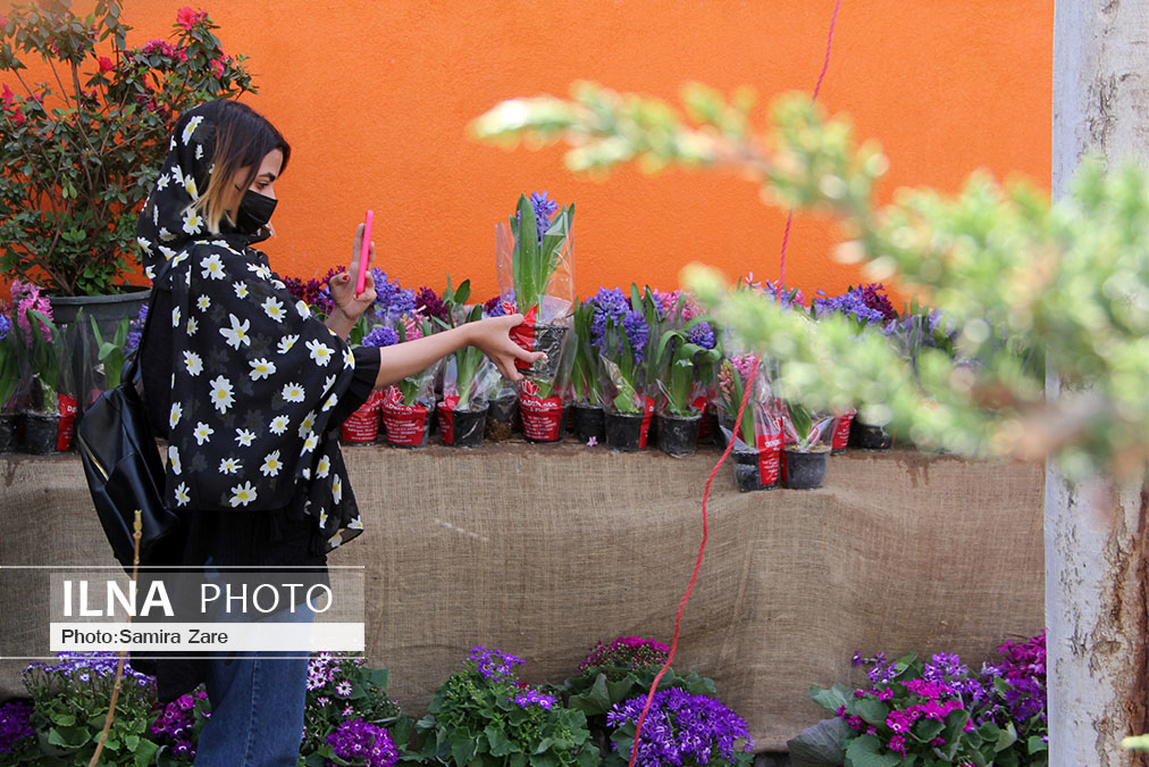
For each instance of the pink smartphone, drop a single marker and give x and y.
(364, 253)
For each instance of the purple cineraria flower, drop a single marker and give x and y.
(629, 652)
(533, 698)
(14, 725)
(365, 743)
(381, 336)
(681, 728)
(5, 326)
(492, 664)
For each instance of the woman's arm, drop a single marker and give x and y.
(491, 336)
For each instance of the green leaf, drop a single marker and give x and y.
(144, 752)
(1036, 745)
(872, 710)
(69, 737)
(863, 752)
(831, 699)
(823, 745)
(927, 729)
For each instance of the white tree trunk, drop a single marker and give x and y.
(1097, 537)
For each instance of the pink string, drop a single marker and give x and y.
(729, 447)
(817, 89)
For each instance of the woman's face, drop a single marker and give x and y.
(264, 182)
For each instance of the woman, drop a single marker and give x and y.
(248, 388)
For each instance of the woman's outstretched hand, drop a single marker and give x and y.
(492, 337)
(342, 287)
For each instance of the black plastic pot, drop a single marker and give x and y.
(624, 432)
(589, 422)
(708, 425)
(677, 435)
(501, 418)
(41, 434)
(804, 471)
(548, 339)
(867, 437)
(462, 428)
(9, 432)
(747, 471)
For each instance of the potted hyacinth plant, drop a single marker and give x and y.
(408, 404)
(49, 412)
(620, 331)
(503, 411)
(9, 383)
(681, 353)
(469, 380)
(586, 376)
(806, 447)
(866, 306)
(757, 437)
(534, 256)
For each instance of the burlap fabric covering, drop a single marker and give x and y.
(543, 550)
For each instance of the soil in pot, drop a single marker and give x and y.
(804, 471)
(501, 418)
(589, 423)
(677, 435)
(867, 437)
(461, 428)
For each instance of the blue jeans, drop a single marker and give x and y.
(256, 711)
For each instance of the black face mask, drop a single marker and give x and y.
(254, 212)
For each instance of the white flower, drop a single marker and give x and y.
(261, 368)
(199, 151)
(279, 424)
(308, 422)
(355, 524)
(182, 496)
(337, 489)
(328, 383)
(309, 443)
(293, 392)
(189, 129)
(320, 352)
(202, 432)
(301, 308)
(271, 464)
(144, 243)
(236, 335)
(175, 316)
(221, 394)
(331, 402)
(165, 235)
(260, 270)
(174, 459)
(229, 466)
(286, 343)
(273, 307)
(242, 495)
(192, 222)
(194, 363)
(203, 302)
(324, 467)
(322, 518)
(240, 289)
(175, 415)
(192, 326)
(189, 185)
(212, 267)
(348, 358)
(244, 437)
(163, 181)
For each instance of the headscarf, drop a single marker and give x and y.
(254, 376)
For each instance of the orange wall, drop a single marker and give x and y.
(375, 97)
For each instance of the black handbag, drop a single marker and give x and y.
(124, 471)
